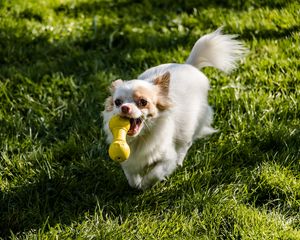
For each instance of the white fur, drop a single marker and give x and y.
(164, 141)
(216, 50)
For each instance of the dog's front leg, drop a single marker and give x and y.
(160, 170)
(134, 179)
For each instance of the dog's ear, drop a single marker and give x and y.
(163, 82)
(115, 84)
(109, 104)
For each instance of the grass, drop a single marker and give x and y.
(56, 180)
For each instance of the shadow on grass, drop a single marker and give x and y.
(161, 8)
(250, 34)
(62, 199)
(79, 183)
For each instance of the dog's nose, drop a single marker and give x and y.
(125, 109)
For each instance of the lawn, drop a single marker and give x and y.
(57, 59)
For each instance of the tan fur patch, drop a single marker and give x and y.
(143, 92)
(149, 95)
(163, 103)
(109, 104)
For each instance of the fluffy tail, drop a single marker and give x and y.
(216, 50)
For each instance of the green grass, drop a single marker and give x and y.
(56, 180)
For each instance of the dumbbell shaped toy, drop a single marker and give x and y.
(119, 150)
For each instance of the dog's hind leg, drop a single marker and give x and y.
(204, 128)
(182, 150)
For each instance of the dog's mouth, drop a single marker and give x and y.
(135, 126)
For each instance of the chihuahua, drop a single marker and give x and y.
(168, 109)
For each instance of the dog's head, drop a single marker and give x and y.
(141, 101)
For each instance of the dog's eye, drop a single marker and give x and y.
(118, 102)
(143, 102)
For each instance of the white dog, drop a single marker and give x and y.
(168, 109)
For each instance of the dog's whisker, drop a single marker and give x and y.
(146, 125)
(144, 119)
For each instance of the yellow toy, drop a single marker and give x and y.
(119, 150)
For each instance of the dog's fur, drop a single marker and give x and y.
(168, 108)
